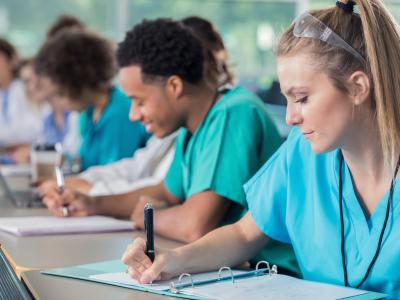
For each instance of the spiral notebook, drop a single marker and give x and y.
(226, 283)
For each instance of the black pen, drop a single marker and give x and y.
(149, 229)
(61, 187)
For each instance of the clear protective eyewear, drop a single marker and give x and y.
(306, 25)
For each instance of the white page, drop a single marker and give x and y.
(124, 278)
(42, 225)
(276, 287)
(16, 170)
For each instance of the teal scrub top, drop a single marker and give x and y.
(232, 142)
(113, 136)
(294, 198)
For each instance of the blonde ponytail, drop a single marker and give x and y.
(382, 43)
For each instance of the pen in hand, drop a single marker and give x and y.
(61, 187)
(149, 229)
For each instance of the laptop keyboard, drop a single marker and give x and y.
(10, 286)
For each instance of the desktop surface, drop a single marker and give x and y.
(52, 287)
(55, 251)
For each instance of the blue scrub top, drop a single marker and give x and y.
(51, 133)
(294, 198)
(113, 136)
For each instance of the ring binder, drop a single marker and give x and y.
(177, 287)
(228, 269)
(263, 262)
(174, 289)
(208, 285)
(271, 271)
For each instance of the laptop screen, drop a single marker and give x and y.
(17, 190)
(10, 286)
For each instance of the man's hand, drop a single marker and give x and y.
(74, 182)
(46, 187)
(74, 203)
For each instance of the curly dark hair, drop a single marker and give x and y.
(162, 48)
(77, 61)
(64, 22)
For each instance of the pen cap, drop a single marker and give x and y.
(148, 213)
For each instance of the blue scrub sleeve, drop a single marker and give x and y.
(174, 178)
(229, 156)
(267, 194)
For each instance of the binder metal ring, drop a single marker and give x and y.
(174, 289)
(274, 270)
(258, 267)
(185, 275)
(228, 269)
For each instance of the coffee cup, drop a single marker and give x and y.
(44, 158)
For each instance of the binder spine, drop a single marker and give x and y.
(176, 287)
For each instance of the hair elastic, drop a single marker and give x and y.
(347, 7)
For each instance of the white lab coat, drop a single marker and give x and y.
(148, 166)
(20, 123)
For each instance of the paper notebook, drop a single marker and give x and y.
(43, 225)
(225, 283)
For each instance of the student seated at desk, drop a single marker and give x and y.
(150, 164)
(147, 167)
(225, 137)
(19, 124)
(332, 188)
(77, 67)
(58, 124)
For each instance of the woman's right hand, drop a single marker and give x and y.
(141, 268)
(69, 203)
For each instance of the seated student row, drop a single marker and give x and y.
(331, 189)
(225, 136)
(86, 88)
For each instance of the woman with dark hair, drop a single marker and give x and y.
(216, 57)
(77, 67)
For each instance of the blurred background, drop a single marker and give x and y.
(249, 27)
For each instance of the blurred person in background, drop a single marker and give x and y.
(77, 68)
(19, 124)
(149, 165)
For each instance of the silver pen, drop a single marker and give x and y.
(61, 187)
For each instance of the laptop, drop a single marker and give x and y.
(18, 191)
(10, 286)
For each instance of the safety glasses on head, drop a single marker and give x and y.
(308, 26)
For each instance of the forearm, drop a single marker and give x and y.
(226, 246)
(177, 224)
(122, 205)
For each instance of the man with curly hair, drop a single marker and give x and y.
(224, 137)
(77, 67)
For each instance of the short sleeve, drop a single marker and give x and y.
(229, 155)
(267, 194)
(173, 180)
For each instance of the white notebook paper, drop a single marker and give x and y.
(42, 225)
(276, 287)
